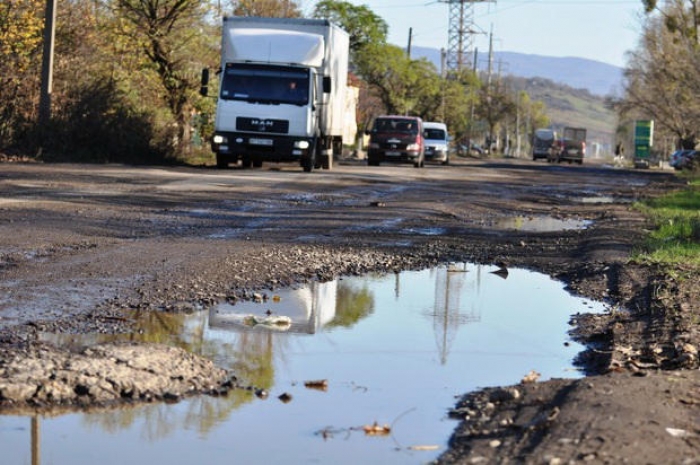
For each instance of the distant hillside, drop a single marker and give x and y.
(571, 107)
(579, 73)
(572, 89)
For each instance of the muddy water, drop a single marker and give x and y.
(332, 362)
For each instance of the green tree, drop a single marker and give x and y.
(495, 105)
(363, 25)
(458, 103)
(403, 86)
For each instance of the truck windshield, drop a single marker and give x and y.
(265, 84)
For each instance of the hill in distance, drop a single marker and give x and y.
(572, 89)
(579, 73)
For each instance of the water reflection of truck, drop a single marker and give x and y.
(305, 310)
(571, 147)
(282, 92)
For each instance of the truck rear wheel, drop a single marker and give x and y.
(327, 163)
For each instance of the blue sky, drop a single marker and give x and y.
(601, 30)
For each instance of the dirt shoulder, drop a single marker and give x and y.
(125, 239)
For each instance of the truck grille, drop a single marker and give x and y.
(262, 125)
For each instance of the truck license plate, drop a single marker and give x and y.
(253, 141)
(393, 154)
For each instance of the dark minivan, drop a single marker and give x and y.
(397, 139)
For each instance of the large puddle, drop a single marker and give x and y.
(357, 370)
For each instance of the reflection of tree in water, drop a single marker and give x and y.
(250, 357)
(249, 354)
(352, 305)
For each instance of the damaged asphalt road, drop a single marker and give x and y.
(84, 246)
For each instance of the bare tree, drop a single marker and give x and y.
(662, 75)
(266, 8)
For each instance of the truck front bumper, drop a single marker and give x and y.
(262, 146)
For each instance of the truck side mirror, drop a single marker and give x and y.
(326, 84)
(204, 89)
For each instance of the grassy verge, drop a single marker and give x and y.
(676, 239)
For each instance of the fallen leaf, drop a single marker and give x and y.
(377, 430)
(320, 384)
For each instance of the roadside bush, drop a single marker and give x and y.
(97, 125)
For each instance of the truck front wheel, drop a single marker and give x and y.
(221, 161)
(308, 163)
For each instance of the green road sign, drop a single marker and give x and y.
(643, 138)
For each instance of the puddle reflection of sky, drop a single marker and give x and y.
(395, 349)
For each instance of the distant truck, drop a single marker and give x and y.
(543, 141)
(282, 92)
(571, 147)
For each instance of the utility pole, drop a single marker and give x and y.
(443, 56)
(488, 88)
(410, 38)
(470, 126)
(47, 64)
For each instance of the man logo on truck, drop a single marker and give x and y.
(262, 124)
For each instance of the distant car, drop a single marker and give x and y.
(396, 139)
(470, 149)
(436, 142)
(682, 159)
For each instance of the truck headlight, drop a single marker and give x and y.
(301, 144)
(413, 147)
(219, 139)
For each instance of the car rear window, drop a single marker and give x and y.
(408, 126)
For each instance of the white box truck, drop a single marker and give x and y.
(282, 92)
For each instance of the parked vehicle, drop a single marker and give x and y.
(683, 159)
(571, 147)
(396, 139)
(543, 142)
(436, 142)
(282, 92)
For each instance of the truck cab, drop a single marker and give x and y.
(282, 92)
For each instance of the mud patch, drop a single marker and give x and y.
(48, 377)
